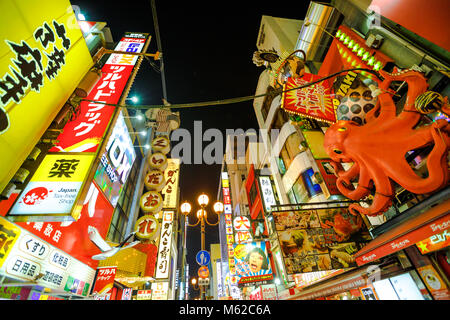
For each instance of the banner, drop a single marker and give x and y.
(163, 266)
(319, 239)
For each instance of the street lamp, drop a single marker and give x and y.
(202, 218)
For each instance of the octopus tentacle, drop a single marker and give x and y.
(362, 188)
(435, 162)
(382, 199)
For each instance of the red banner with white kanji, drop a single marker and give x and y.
(314, 101)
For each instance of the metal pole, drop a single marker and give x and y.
(202, 287)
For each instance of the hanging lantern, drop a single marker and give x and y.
(154, 180)
(158, 161)
(151, 202)
(161, 144)
(146, 227)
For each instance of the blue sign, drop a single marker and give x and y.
(203, 258)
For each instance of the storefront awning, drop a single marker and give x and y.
(435, 220)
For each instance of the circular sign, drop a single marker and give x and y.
(151, 202)
(203, 258)
(146, 227)
(161, 144)
(203, 272)
(154, 180)
(158, 161)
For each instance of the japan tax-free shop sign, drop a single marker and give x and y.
(43, 57)
(54, 187)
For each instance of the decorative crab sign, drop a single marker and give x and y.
(378, 148)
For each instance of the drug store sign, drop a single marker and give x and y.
(27, 257)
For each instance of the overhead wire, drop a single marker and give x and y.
(233, 100)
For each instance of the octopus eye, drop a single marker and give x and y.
(342, 129)
(337, 151)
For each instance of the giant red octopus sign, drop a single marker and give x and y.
(378, 148)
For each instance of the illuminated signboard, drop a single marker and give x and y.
(72, 237)
(435, 242)
(104, 282)
(115, 164)
(28, 256)
(54, 187)
(170, 191)
(160, 290)
(267, 194)
(43, 58)
(228, 224)
(85, 133)
(162, 268)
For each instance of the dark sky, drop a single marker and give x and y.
(207, 50)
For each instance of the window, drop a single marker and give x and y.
(290, 150)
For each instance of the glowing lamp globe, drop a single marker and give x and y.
(185, 208)
(200, 213)
(203, 200)
(218, 207)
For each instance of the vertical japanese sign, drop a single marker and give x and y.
(163, 264)
(40, 65)
(228, 213)
(115, 164)
(267, 194)
(25, 256)
(126, 293)
(85, 133)
(105, 281)
(314, 101)
(54, 187)
(170, 191)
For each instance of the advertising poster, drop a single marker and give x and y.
(252, 262)
(72, 237)
(319, 239)
(434, 283)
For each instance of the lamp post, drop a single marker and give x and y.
(202, 218)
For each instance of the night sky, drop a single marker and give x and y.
(207, 51)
